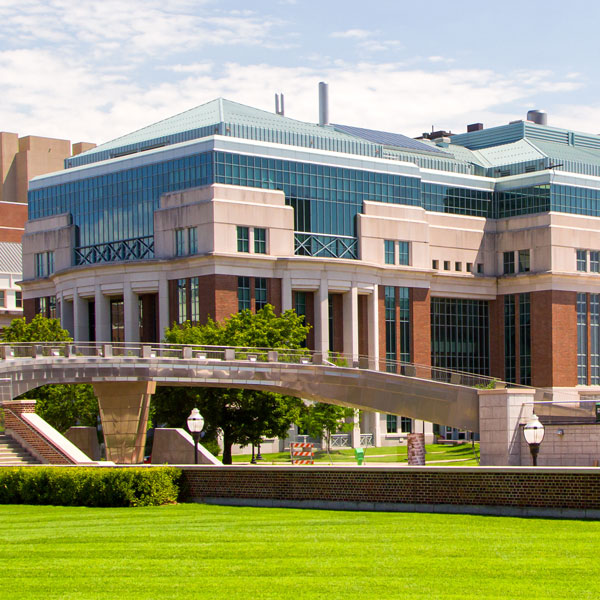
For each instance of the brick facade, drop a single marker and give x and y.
(554, 338)
(26, 433)
(420, 329)
(520, 487)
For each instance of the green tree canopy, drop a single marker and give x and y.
(242, 416)
(326, 419)
(60, 405)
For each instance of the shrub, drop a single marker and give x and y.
(89, 486)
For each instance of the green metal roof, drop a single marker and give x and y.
(224, 117)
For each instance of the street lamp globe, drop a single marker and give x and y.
(534, 435)
(195, 423)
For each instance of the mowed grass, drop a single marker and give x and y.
(463, 454)
(197, 551)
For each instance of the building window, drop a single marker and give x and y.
(469, 267)
(182, 315)
(180, 242)
(391, 423)
(403, 253)
(582, 260)
(459, 336)
(582, 339)
(243, 239)
(509, 262)
(594, 261)
(446, 265)
(406, 425)
(260, 240)
(243, 293)
(194, 299)
(390, 328)
(300, 303)
(524, 339)
(192, 240)
(480, 268)
(524, 261)
(186, 241)
(389, 252)
(435, 264)
(260, 293)
(117, 320)
(458, 266)
(2, 299)
(19, 299)
(44, 264)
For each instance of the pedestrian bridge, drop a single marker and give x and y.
(125, 375)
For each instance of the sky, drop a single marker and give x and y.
(93, 70)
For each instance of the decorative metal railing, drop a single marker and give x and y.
(131, 249)
(366, 440)
(327, 246)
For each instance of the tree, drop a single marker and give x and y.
(326, 419)
(60, 405)
(242, 416)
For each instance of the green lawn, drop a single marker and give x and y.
(435, 454)
(196, 551)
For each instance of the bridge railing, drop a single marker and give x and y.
(198, 352)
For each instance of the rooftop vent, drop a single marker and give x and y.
(474, 127)
(323, 104)
(279, 109)
(540, 117)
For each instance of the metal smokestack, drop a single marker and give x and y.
(323, 104)
(538, 116)
(279, 109)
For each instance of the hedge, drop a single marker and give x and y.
(89, 486)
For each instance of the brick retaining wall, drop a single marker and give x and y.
(546, 491)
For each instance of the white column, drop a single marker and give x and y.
(163, 305)
(66, 315)
(81, 330)
(131, 314)
(322, 318)
(377, 429)
(286, 292)
(355, 435)
(102, 316)
(351, 325)
(373, 319)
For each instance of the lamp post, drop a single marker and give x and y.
(195, 423)
(534, 434)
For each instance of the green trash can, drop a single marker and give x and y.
(359, 454)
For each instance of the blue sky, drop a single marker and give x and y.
(94, 70)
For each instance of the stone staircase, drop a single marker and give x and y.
(12, 454)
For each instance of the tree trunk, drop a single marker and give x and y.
(227, 444)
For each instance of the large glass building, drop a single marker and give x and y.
(476, 252)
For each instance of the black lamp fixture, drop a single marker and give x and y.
(195, 423)
(534, 435)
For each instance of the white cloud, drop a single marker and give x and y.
(359, 34)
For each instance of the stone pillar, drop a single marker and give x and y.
(376, 429)
(373, 317)
(286, 292)
(500, 413)
(102, 317)
(322, 318)
(81, 330)
(415, 448)
(67, 317)
(131, 314)
(124, 415)
(163, 305)
(351, 325)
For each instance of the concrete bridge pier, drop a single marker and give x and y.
(124, 415)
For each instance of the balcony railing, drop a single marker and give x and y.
(327, 246)
(122, 250)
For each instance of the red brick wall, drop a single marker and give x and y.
(29, 309)
(496, 326)
(363, 325)
(420, 331)
(554, 338)
(381, 309)
(274, 294)
(40, 444)
(518, 487)
(338, 322)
